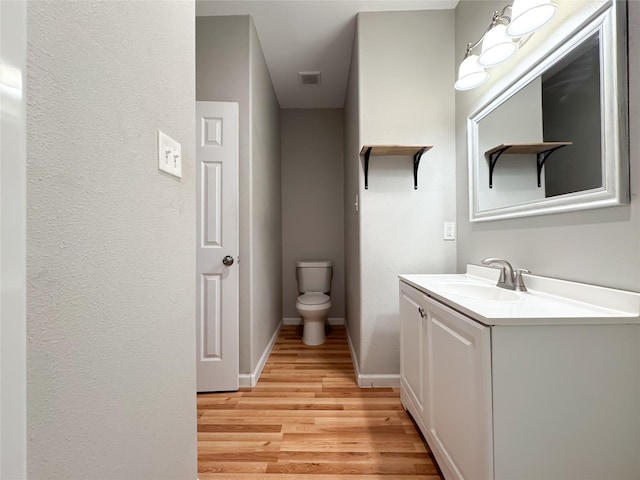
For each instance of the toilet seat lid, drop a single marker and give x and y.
(313, 298)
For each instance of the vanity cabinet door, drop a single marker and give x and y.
(458, 407)
(411, 349)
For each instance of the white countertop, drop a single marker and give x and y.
(548, 302)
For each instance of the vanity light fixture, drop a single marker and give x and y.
(527, 16)
(470, 74)
(497, 47)
(502, 38)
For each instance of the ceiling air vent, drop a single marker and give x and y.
(309, 78)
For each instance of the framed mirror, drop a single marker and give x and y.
(557, 138)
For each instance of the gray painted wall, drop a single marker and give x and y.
(599, 246)
(110, 242)
(352, 182)
(406, 71)
(312, 199)
(266, 209)
(230, 67)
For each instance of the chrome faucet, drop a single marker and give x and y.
(509, 278)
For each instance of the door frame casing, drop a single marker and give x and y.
(13, 241)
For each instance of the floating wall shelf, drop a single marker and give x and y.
(542, 151)
(390, 151)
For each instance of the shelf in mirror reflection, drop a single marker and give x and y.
(541, 150)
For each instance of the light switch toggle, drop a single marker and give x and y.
(169, 155)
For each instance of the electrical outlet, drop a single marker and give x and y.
(169, 155)
(449, 230)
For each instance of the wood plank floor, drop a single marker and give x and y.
(307, 419)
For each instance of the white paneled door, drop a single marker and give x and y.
(217, 154)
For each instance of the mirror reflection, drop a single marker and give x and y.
(545, 140)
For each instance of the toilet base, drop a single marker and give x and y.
(313, 332)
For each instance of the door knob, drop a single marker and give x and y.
(228, 260)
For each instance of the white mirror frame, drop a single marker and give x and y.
(611, 23)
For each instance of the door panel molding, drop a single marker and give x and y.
(217, 158)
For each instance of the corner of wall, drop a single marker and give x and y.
(13, 251)
(223, 74)
(353, 294)
(397, 49)
(265, 209)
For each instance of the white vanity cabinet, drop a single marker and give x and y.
(541, 387)
(458, 394)
(445, 372)
(412, 359)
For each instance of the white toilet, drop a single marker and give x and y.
(314, 286)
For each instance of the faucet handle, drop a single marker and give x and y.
(518, 281)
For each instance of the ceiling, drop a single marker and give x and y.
(309, 35)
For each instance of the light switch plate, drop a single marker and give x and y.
(169, 155)
(449, 230)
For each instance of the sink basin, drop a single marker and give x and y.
(480, 292)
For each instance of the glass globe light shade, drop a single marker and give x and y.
(496, 47)
(527, 16)
(470, 74)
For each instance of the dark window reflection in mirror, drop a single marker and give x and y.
(571, 113)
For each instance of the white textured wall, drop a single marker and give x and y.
(406, 73)
(599, 246)
(266, 208)
(222, 74)
(312, 199)
(110, 241)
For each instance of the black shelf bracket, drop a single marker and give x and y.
(367, 154)
(541, 158)
(416, 151)
(493, 158)
(416, 163)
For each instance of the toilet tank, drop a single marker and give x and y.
(314, 276)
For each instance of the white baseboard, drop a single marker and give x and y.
(371, 380)
(354, 357)
(245, 379)
(251, 379)
(298, 321)
(378, 380)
